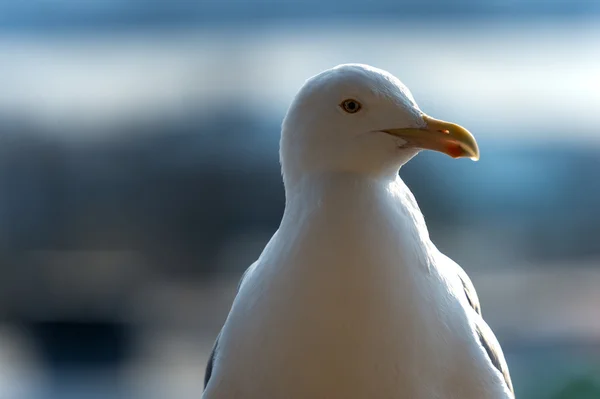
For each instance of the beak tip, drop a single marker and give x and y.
(475, 156)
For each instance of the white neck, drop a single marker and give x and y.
(355, 205)
(312, 189)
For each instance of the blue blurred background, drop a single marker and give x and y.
(139, 175)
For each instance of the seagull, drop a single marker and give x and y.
(350, 298)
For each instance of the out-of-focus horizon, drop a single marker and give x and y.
(140, 176)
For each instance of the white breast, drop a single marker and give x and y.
(347, 302)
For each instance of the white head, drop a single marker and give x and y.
(359, 119)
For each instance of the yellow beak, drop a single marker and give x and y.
(437, 135)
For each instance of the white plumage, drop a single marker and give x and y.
(350, 298)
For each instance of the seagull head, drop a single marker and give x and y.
(360, 119)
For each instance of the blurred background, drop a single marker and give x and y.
(139, 175)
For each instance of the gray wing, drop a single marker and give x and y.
(211, 359)
(486, 337)
(209, 365)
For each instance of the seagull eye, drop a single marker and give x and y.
(351, 106)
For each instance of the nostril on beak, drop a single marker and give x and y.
(445, 131)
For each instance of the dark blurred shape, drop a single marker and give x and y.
(82, 345)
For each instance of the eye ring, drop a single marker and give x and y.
(351, 106)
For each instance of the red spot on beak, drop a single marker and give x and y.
(454, 150)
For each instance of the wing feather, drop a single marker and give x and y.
(486, 337)
(494, 351)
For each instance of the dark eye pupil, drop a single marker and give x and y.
(350, 106)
